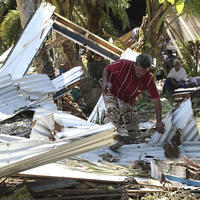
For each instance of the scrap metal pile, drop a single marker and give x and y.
(43, 165)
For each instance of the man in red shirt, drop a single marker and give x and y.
(123, 81)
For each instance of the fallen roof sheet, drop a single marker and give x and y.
(71, 127)
(58, 151)
(18, 95)
(66, 80)
(81, 135)
(62, 171)
(128, 153)
(29, 43)
(33, 91)
(182, 118)
(144, 151)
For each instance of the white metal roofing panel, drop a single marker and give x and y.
(8, 138)
(59, 152)
(181, 118)
(132, 152)
(12, 151)
(129, 54)
(68, 78)
(61, 170)
(29, 43)
(100, 109)
(34, 86)
(14, 100)
(4, 56)
(73, 127)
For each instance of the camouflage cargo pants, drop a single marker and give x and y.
(124, 117)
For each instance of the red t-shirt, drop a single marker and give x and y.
(124, 83)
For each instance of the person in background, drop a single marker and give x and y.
(65, 67)
(176, 78)
(123, 81)
(96, 65)
(169, 60)
(135, 33)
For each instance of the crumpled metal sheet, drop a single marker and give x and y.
(18, 95)
(70, 127)
(29, 43)
(30, 153)
(182, 118)
(68, 78)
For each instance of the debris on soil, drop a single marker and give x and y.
(172, 149)
(109, 157)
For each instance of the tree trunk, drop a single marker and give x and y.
(26, 11)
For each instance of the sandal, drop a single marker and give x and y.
(116, 146)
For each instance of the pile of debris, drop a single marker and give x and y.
(38, 149)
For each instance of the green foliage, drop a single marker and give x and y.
(9, 30)
(179, 4)
(106, 8)
(21, 193)
(118, 8)
(191, 56)
(192, 7)
(5, 6)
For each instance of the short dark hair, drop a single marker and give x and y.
(143, 60)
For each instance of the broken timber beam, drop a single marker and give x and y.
(85, 38)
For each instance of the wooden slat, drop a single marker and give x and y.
(87, 36)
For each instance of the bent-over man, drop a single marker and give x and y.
(123, 81)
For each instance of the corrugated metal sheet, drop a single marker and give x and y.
(34, 86)
(73, 127)
(61, 170)
(18, 95)
(188, 28)
(130, 153)
(14, 161)
(29, 43)
(33, 91)
(181, 118)
(68, 78)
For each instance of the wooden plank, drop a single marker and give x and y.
(50, 184)
(86, 38)
(88, 34)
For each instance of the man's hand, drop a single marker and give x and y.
(160, 127)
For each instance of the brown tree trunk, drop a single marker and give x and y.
(26, 11)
